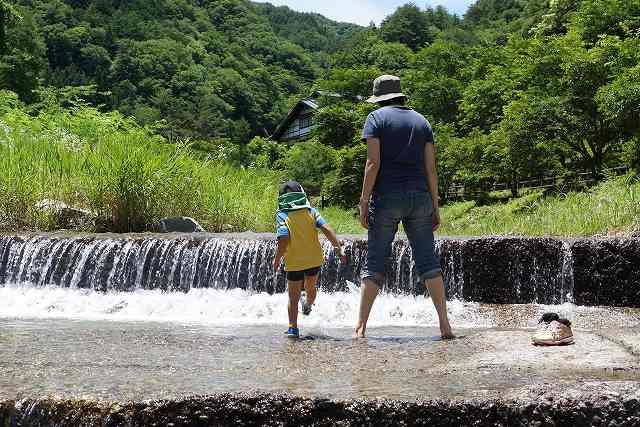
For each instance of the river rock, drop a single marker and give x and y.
(180, 224)
(65, 216)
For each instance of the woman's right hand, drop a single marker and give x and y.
(364, 215)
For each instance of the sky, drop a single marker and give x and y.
(364, 11)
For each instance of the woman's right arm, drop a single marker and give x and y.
(370, 174)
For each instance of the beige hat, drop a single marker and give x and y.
(386, 87)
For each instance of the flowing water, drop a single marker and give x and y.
(138, 317)
(534, 270)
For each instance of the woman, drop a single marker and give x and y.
(400, 185)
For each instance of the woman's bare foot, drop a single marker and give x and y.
(446, 333)
(359, 333)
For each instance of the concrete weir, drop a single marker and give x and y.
(497, 270)
(187, 330)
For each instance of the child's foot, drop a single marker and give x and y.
(306, 309)
(293, 332)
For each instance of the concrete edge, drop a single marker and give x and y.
(284, 409)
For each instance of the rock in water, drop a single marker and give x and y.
(180, 224)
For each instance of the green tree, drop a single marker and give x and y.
(343, 186)
(483, 99)
(336, 124)
(607, 17)
(407, 25)
(349, 83)
(521, 142)
(309, 163)
(435, 81)
(557, 20)
(464, 160)
(22, 53)
(8, 15)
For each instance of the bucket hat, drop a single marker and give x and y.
(291, 187)
(386, 87)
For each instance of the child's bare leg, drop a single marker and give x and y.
(295, 289)
(310, 288)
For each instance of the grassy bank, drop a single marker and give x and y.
(126, 174)
(130, 178)
(612, 207)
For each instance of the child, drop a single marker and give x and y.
(298, 242)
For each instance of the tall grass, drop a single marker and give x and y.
(124, 173)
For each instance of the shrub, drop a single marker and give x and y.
(309, 163)
(343, 187)
(264, 153)
(631, 153)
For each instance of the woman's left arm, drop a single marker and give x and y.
(432, 181)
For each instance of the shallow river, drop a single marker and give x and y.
(149, 344)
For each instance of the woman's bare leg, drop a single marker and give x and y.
(367, 297)
(435, 287)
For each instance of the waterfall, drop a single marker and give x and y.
(493, 270)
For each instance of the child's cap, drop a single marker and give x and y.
(291, 187)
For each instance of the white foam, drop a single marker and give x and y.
(238, 307)
(223, 308)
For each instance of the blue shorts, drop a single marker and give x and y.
(415, 211)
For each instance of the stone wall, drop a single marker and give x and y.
(283, 410)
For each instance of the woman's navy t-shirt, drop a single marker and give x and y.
(403, 134)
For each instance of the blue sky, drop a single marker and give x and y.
(364, 11)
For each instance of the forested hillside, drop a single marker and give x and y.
(514, 89)
(311, 31)
(206, 69)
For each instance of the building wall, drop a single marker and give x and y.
(301, 127)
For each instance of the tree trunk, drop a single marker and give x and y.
(3, 18)
(514, 185)
(596, 165)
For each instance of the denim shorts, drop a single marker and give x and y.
(415, 211)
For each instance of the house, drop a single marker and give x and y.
(298, 124)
